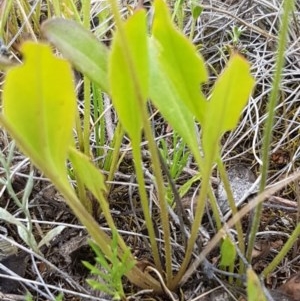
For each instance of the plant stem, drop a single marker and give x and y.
(72, 6)
(242, 212)
(273, 99)
(286, 248)
(164, 215)
(99, 124)
(145, 205)
(201, 200)
(56, 7)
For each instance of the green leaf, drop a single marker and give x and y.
(39, 106)
(254, 289)
(81, 47)
(163, 94)
(179, 60)
(185, 187)
(196, 10)
(228, 252)
(231, 92)
(129, 72)
(229, 96)
(100, 257)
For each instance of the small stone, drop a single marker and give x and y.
(241, 180)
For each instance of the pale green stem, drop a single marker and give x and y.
(215, 209)
(82, 195)
(164, 215)
(56, 7)
(71, 4)
(145, 205)
(286, 248)
(193, 25)
(178, 13)
(267, 138)
(205, 168)
(195, 226)
(99, 123)
(59, 179)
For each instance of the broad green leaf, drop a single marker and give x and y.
(81, 47)
(179, 60)
(229, 96)
(39, 105)
(129, 72)
(228, 252)
(164, 95)
(254, 289)
(230, 93)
